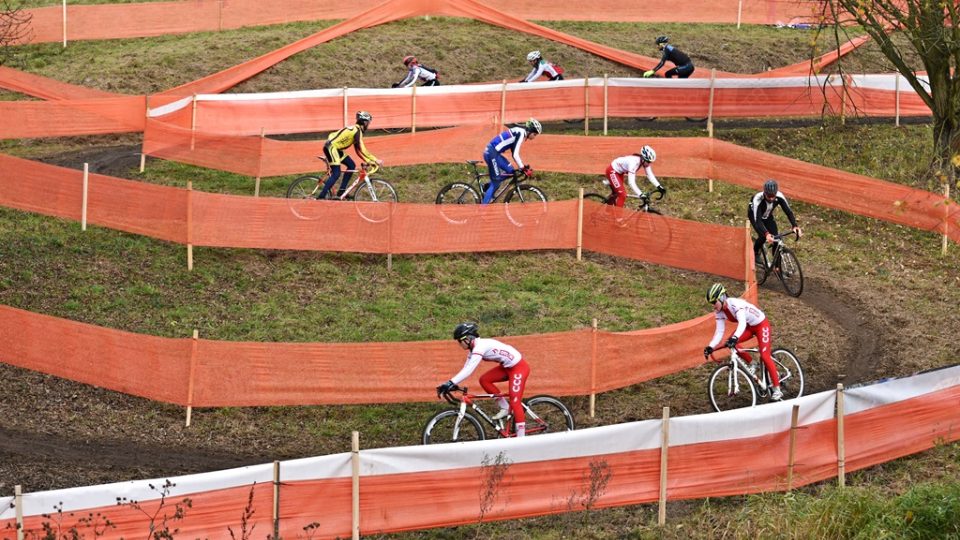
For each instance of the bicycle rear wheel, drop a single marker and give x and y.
(456, 193)
(547, 414)
(529, 205)
(302, 193)
(790, 372)
(444, 427)
(789, 272)
(720, 388)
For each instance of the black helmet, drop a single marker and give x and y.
(364, 116)
(770, 188)
(662, 39)
(465, 329)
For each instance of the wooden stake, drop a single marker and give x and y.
(190, 225)
(390, 237)
(355, 467)
(193, 369)
(219, 15)
(713, 79)
(841, 452)
(896, 93)
(739, 13)
(18, 511)
(747, 257)
(795, 415)
(143, 155)
(606, 102)
(946, 218)
(580, 226)
(586, 105)
(593, 369)
(64, 24)
(503, 103)
(83, 205)
(413, 109)
(843, 101)
(256, 184)
(193, 124)
(346, 116)
(664, 450)
(276, 499)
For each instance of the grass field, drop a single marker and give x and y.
(894, 274)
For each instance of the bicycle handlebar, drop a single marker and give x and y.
(451, 399)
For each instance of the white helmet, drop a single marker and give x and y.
(533, 126)
(534, 55)
(647, 154)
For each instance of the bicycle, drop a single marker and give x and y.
(364, 190)
(734, 384)
(783, 262)
(544, 414)
(646, 218)
(513, 190)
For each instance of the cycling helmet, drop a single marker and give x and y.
(534, 55)
(407, 60)
(466, 329)
(533, 126)
(662, 39)
(770, 188)
(647, 154)
(716, 292)
(364, 116)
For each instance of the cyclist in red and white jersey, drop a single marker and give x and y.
(542, 68)
(751, 321)
(629, 165)
(510, 367)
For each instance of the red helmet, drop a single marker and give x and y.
(407, 60)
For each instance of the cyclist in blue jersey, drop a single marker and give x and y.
(683, 65)
(497, 166)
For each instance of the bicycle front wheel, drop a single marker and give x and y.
(547, 414)
(790, 372)
(526, 205)
(371, 192)
(727, 394)
(789, 272)
(446, 427)
(762, 266)
(457, 193)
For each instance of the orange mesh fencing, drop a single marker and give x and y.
(60, 118)
(113, 21)
(44, 87)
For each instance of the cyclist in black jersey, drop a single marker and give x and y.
(683, 66)
(760, 211)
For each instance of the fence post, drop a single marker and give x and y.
(946, 218)
(841, 452)
(355, 468)
(190, 225)
(193, 124)
(256, 185)
(219, 15)
(143, 155)
(18, 501)
(843, 100)
(586, 105)
(503, 103)
(593, 369)
(606, 102)
(580, 225)
(413, 109)
(713, 79)
(664, 448)
(345, 115)
(748, 261)
(793, 445)
(739, 12)
(390, 210)
(896, 93)
(64, 24)
(193, 369)
(276, 499)
(83, 205)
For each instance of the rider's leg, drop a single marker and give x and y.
(685, 71)
(518, 381)
(747, 335)
(487, 380)
(765, 341)
(498, 168)
(350, 165)
(616, 185)
(331, 180)
(671, 73)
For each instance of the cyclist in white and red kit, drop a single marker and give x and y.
(629, 165)
(510, 367)
(751, 321)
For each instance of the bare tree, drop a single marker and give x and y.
(15, 28)
(932, 32)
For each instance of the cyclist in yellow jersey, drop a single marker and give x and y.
(334, 150)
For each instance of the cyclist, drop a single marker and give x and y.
(512, 367)
(751, 321)
(416, 70)
(683, 66)
(497, 166)
(339, 141)
(629, 165)
(542, 67)
(760, 211)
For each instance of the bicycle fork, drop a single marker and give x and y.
(456, 425)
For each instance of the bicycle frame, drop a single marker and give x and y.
(501, 426)
(644, 197)
(737, 365)
(506, 185)
(778, 245)
(363, 175)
